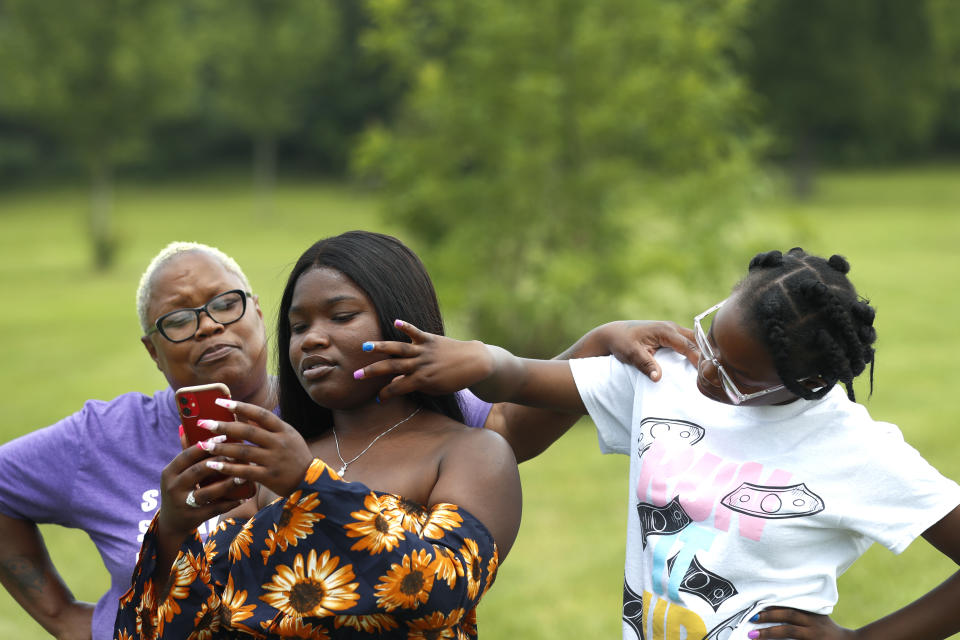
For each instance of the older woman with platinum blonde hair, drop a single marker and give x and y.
(98, 469)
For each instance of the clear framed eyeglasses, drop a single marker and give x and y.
(736, 396)
(180, 325)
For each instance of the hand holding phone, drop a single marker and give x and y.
(197, 402)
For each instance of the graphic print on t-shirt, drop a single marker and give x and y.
(707, 493)
(637, 616)
(757, 500)
(653, 429)
(704, 583)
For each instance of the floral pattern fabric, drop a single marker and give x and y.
(332, 560)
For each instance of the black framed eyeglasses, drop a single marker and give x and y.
(182, 324)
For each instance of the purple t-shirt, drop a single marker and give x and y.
(99, 470)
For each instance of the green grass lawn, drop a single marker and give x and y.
(68, 334)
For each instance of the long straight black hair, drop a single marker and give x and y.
(397, 283)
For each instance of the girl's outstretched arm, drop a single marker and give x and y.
(529, 430)
(438, 364)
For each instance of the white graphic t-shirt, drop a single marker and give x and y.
(734, 509)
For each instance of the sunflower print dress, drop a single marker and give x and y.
(332, 560)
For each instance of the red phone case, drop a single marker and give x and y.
(197, 402)
(194, 403)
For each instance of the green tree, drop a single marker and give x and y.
(852, 80)
(96, 75)
(555, 159)
(945, 19)
(263, 54)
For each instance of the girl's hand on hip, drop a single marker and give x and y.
(798, 625)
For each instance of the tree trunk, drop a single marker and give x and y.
(265, 170)
(101, 206)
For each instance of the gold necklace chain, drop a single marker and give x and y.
(346, 463)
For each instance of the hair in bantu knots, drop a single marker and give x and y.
(811, 319)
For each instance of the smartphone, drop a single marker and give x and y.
(194, 403)
(197, 402)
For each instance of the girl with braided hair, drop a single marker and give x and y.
(755, 478)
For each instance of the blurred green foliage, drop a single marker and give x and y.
(262, 55)
(95, 76)
(187, 77)
(595, 106)
(530, 129)
(852, 80)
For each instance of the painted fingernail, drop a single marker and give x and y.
(377, 398)
(212, 425)
(398, 324)
(238, 480)
(368, 346)
(358, 374)
(755, 618)
(181, 430)
(214, 464)
(753, 635)
(226, 403)
(208, 445)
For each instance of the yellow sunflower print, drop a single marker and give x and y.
(492, 569)
(210, 548)
(182, 575)
(472, 566)
(447, 565)
(378, 532)
(123, 635)
(207, 620)
(223, 524)
(296, 523)
(469, 623)
(317, 467)
(295, 627)
(127, 598)
(233, 611)
(315, 588)
(410, 514)
(148, 622)
(435, 626)
(407, 584)
(240, 545)
(369, 623)
(440, 519)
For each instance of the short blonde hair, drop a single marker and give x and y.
(173, 250)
